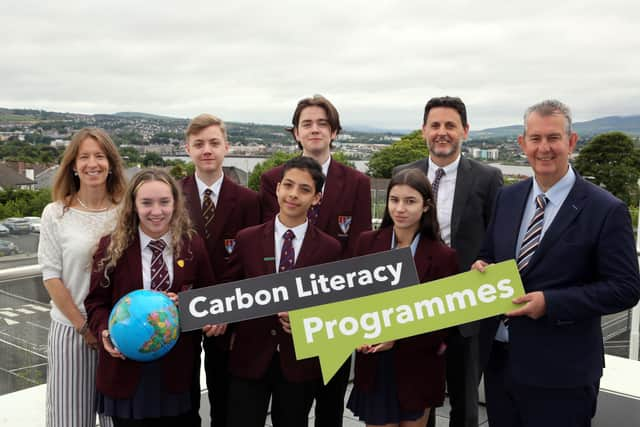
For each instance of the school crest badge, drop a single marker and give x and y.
(344, 222)
(229, 245)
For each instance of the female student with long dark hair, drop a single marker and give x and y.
(398, 382)
(153, 232)
(87, 188)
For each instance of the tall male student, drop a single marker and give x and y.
(219, 208)
(262, 359)
(343, 212)
(464, 190)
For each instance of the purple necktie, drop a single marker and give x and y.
(287, 255)
(313, 213)
(159, 271)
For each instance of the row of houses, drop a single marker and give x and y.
(30, 176)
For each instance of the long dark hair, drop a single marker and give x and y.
(417, 180)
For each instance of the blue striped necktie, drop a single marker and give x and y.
(531, 238)
(530, 243)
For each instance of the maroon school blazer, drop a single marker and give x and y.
(419, 369)
(119, 378)
(346, 200)
(238, 207)
(255, 341)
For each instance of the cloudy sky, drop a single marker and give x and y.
(378, 61)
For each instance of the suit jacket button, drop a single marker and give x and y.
(273, 332)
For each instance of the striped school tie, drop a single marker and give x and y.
(159, 271)
(208, 211)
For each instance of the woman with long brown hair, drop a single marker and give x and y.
(398, 382)
(87, 189)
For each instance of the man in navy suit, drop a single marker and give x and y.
(576, 254)
(231, 208)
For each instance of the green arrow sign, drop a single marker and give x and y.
(333, 331)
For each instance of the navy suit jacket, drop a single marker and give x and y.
(476, 188)
(118, 378)
(419, 368)
(347, 193)
(585, 265)
(255, 341)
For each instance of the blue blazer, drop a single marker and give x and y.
(586, 265)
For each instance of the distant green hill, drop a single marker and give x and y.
(137, 115)
(627, 124)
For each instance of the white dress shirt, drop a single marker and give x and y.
(146, 255)
(215, 188)
(446, 191)
(299, 232)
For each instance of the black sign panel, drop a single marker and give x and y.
(295, 289)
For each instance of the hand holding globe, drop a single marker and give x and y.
(143, 326)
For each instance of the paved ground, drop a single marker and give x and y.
(24, 324)
(350, 420)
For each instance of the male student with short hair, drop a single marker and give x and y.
(262, 361)
(219, 208)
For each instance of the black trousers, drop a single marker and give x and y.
(463, 378)
(216, 362)
(519, 405)
(290, 401)
(330, 398)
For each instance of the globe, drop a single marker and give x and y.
(144, 325)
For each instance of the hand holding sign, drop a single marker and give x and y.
(333, 331)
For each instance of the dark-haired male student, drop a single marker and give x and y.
(262, 359)
(343, 212)
(219, 208)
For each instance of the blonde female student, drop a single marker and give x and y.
(153, 233)
(398, 382)
(87, 188)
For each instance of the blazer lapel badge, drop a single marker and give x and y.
(344, 222)
(229, 245)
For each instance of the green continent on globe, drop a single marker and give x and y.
(164, 331)
(122, 312)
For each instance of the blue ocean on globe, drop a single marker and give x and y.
(144, 325)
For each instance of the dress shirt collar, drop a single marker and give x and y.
(145, 239)
(215, 187)
(449, 170)
(414, 243)
(299, 230)
(558, 191)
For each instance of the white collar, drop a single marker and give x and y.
(215, 187)
(298, 230)
(145, 238)
(448, 169)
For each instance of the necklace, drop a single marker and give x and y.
(90, 209)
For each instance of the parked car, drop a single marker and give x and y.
(17, 225)
(7, 248)
(4, 231)
(34, 221)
